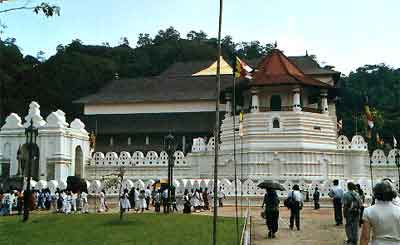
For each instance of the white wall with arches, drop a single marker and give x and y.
(58, 142)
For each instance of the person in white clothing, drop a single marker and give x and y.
(67, 203)
(295, 206)
(64, 201)
(191, 199)
(84, 201)
(221, 196)
(103, 206)
(382, 219)
(137, 205)
(124, 202)
(197, 201)
(201, 200)
(74, 197)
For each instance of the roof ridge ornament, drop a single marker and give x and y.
(276, 44)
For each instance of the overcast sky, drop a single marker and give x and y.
(343, 33)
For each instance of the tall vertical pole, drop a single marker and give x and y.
(169, 180)
(234, 156)
(241, 175)
(372, 178)
(397, 162)
(95, 166)
(27, 194)
(217, 126)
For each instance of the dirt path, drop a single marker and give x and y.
(317, 227)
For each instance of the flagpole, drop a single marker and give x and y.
(234, 154)
(217, 127)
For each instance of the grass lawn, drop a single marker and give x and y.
(147, 229)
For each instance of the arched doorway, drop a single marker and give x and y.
(78, 161)
(276, 102)
(25, 161)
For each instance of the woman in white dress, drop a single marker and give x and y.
(137, 205)
(74, 197)
(201, 206)
(142, 200)
(85, 204)
(67, 203)
(103, 206)
(196, 201)
(191, 199)
(124, 202)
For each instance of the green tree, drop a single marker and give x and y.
(43, 8)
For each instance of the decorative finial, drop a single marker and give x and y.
(276, 44)
(306, 52)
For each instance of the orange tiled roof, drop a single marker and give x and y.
(277, 69)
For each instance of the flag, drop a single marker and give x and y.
(339, 125)
(242, 70)
(379, 141)
(394, 142)
(370, 119)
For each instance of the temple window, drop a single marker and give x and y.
(276, 103)
(276, 123)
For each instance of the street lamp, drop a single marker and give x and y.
(30, 133)
(121, 194)
(397, 161)
(170, 149)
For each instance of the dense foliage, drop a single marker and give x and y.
(379, 86)
(77, 70)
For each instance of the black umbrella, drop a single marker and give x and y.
(269, 184)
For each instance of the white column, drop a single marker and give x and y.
(296, 99)
(183, 143)
(228, 105)
(255, 104)
(324, 101)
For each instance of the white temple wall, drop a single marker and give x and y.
(55, 141)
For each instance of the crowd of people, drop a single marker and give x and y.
(138, 200)
(195, 200)
(381, 218)
(61, 201)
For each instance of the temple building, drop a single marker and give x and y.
(279, 124)
(136, 114)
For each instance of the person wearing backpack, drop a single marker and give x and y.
(294, 202)
(351, 209)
